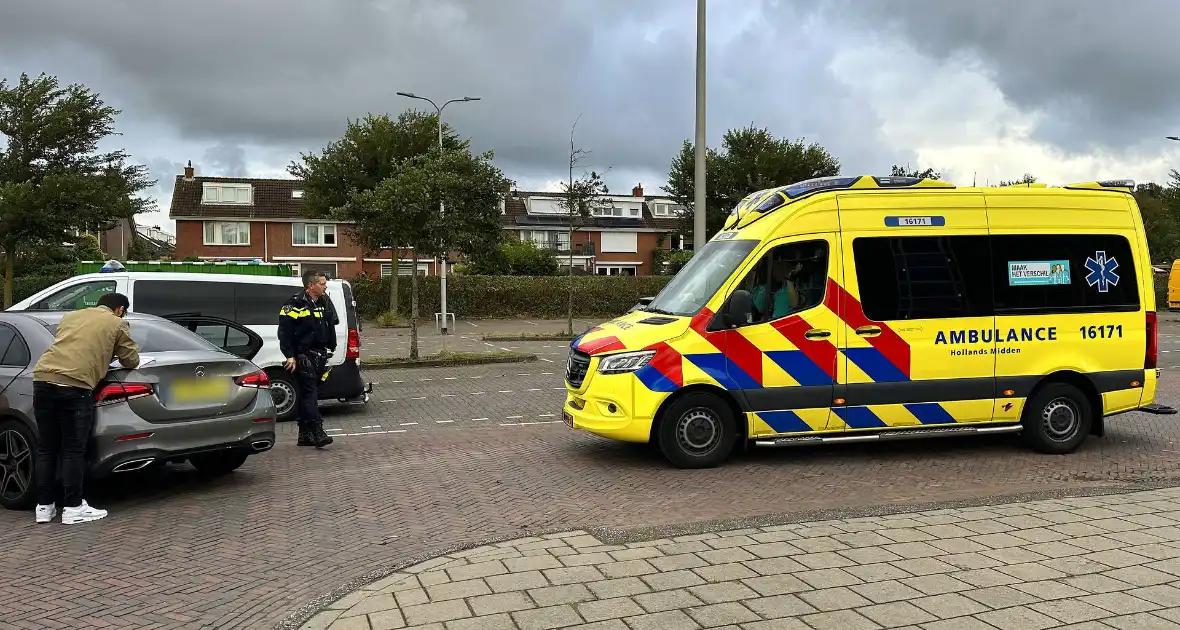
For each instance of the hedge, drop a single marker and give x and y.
(541, 297)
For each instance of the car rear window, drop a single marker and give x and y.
(158, 336)
(349, 307)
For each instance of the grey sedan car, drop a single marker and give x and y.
(189, 399)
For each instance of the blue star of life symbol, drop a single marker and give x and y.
(1102, 272)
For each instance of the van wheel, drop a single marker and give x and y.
(18, 450)
(1058, 419)
(697, 431)
(285, 394)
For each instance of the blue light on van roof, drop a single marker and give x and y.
(819, 183)
(1118, 183)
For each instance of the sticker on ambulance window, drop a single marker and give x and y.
(936, 221)
(1024, 273)
(1103, 272)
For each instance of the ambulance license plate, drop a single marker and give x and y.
(568, 419)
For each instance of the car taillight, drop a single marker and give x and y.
(112, 393)
(258, 379)
(1153, 342)
(354, 345)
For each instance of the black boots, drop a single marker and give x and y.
(322, 439)
(314, 435)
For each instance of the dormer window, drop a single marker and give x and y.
(220, 193)
(617, 211)
(665, 209)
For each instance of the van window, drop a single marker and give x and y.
(76, 297)
(1063, 273)
(259, 304)
(923, 277)
(349, 308)
(700, 279)
(788, 279)
(173, 297)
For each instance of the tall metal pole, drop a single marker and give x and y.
(698, 233)
(441, 204)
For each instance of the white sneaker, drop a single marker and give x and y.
(81, 514)
(45, 513)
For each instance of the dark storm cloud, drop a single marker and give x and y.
(286, 74)
(1099, 73)
(226, 160)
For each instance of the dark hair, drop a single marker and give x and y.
(311, 277)
(114, 301)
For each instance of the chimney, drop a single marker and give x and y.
(188, 171)
(637, 191)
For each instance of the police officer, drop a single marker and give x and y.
(307, 337)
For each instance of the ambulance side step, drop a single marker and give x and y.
(895, 434)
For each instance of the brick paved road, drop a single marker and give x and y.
(1103, 562)
(247, 550)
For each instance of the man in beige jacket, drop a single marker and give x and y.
(63, 401)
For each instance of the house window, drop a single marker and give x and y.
(313, 234)
(614, 270)
(621, 242)
(403, 269)
(228, 193)
(559, 241)
(227, 233)
(297, 194)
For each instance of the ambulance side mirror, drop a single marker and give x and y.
(739, 309)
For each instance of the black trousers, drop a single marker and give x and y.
(65, 418)
(309, 368)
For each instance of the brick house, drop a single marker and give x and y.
(237, 218)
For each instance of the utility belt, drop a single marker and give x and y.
(314, 362)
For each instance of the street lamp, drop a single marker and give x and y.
(698, 231)
(443, 274)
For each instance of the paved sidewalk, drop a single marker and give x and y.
(1087, 563)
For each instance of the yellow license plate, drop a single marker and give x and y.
(201, 390)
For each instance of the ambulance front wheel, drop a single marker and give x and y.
(1057, 419)
(697, 431)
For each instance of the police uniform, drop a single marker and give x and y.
(307, 333)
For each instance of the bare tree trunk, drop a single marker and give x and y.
(570, 313)
(394, 307)
(414, 307)
(9, 269)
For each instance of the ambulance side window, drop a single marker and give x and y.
(1038, 274)
(923, 277)
(788, 279)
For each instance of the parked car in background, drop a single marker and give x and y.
(187, 400)
(206, 303)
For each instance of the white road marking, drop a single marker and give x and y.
(477, 393)
(371, 426)
(418, 398)
(544, 415)
(448, 395)
(504, 391)
(560, 388)
(450, 378)
(371, 433)
(389, 400)
(444, 421)
(478, 419)
(333, 429)
(534, 389)
(546, 373)
(426, 379)
(524, 374)
(545, 360)
(396, 381)
(409, 424)
(513, 417)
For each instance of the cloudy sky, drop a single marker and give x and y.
(1065, 89)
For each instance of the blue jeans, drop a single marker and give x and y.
(65, 418)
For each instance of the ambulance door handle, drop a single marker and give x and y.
(816, 333)
(868, 331)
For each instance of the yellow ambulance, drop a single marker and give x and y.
(864, 308)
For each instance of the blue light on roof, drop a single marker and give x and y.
(819, 183)
(112, 266)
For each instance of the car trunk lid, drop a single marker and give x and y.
(187, 385)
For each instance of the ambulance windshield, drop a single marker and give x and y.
(691, 289)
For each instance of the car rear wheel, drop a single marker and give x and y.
(285, 394)
(214, 464)
(1057, 419)
(697, 431)
(17, 453)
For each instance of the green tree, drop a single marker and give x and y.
(1027, 178)
(369, 153)
(54, 180)
(750, 159)
(579, 199)
(1160, 208)
(905, 171)
(471, 187)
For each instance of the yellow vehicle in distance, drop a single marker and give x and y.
(874, 308)
(1174, 285)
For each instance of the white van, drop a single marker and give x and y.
(237, 312)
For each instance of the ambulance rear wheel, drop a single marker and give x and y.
(1057, 419)
(697, 431)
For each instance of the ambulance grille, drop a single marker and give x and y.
(576, 367)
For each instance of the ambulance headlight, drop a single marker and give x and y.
(625, 362)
